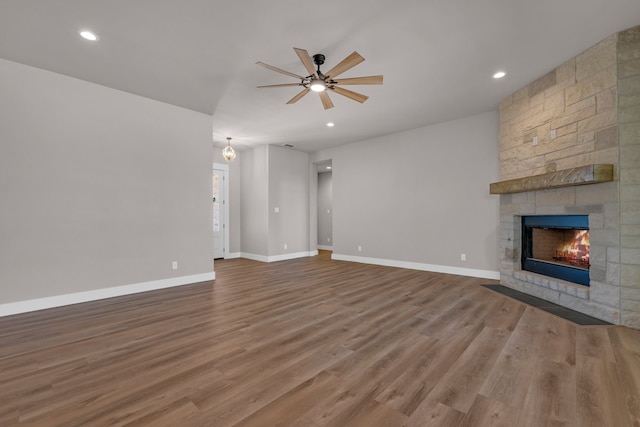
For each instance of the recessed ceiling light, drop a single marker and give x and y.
(328, 168)
(88, 35)
(330, 124)
(499, 75)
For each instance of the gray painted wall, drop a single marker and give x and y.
(254, 215)
(101, 188)
(235, 208)
(289, 192)
(325, 209)
(419, 196)
(274, 177)
(98, 188)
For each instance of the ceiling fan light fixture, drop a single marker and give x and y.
(228, 152)
(317, 85)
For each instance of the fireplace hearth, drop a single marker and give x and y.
(557, 246)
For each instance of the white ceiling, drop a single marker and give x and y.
(437, 56)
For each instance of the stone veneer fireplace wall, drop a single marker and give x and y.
(592, 102)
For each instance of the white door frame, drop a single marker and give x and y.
(225, 205)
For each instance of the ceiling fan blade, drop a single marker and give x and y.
(281, 85)
(346, 64)
(368, 80)
(326, 101)
(350, 94)
(278, 70)
(306, 61)
(298, 96)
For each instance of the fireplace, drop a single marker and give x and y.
(557, 246)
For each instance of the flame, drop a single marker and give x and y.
(578, 248)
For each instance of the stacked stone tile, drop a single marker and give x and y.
(592, 103)
(629, 138)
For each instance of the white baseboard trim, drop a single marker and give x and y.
(254, 257)
(472, 272)
(274, 258)
(18, 307)
(233, 255)
(325, 248)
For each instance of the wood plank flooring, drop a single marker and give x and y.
(313, 343)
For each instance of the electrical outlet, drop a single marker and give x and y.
(553, 134)
(174, 265)
(359, 248)
(535, 140)
(285, 246)
(463, 257)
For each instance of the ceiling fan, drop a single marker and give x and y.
(320, 82)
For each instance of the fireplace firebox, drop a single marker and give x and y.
(557, 246)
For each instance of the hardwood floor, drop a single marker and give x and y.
(315, 342)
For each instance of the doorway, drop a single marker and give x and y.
(325, 205)
(220, 185)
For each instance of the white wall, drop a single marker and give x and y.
(420, 197)
(98, 188)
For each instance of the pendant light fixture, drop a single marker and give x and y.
(228, 152)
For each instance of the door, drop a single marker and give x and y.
(219, 220)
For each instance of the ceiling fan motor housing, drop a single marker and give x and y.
(318, 59)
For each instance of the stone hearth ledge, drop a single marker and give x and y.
(589, 174)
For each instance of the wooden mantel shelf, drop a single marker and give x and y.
(590, 174)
